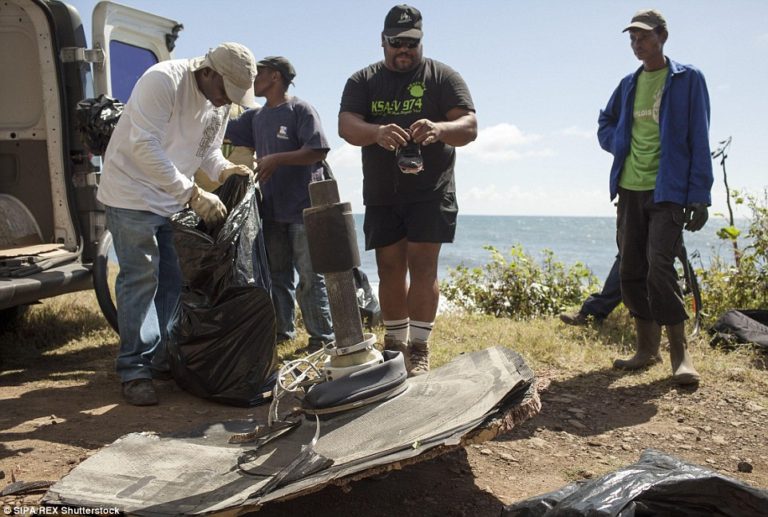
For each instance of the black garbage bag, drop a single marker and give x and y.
(741, 327)
(658, 484)
(222, 344)
(95, 119)
(367, 302)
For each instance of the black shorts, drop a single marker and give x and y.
(424, 221)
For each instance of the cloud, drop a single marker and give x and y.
(505, 142)
(348, 171)
(579, 133)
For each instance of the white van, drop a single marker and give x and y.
(51, 224)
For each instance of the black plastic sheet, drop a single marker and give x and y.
(222, 345)
(367, 302)
(658, 484)
(95, 119)
(741, 327)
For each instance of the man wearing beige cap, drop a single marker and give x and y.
(656, 125)
(173, 124)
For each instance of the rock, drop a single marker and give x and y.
(678, 437)
(594, 443)
(537, 442)
(752, 406)
(486, 452)
(575, 423)
(744, 466)
(626, 447)
(719, 440)
(706, 429)
(507, 457)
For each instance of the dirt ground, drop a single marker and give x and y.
(58, 412)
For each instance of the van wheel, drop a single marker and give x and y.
(104, 274)
(9, 318)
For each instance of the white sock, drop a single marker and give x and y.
(420, 330)
(397, 329)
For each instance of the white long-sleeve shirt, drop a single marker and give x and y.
(167, 131)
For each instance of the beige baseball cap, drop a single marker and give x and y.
(236, 64)
(647, 20)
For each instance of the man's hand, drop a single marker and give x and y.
(392, 136)
(240, 170)
(208, 206)
(695, 216)
(425, 132)
(266, 167)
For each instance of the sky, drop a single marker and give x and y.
(539, 72)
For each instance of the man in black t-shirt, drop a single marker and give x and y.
(408, 113)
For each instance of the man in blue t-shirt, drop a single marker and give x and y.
(290, 146)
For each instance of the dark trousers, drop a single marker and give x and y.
(601, 304)
(650, 236)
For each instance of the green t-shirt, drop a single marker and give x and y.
(642, 163)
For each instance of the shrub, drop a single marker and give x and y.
(518, 288)
(743, 285)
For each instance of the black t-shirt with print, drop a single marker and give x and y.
(382, 96)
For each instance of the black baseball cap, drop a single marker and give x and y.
(403, 21)
(281, 64)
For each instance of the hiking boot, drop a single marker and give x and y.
(419, 358)
(398, 346)
(683, 371)
(576, 318)
(139, 392)
(161, 375)
(314, 346)
(648, 342)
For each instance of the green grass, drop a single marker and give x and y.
(69, 334)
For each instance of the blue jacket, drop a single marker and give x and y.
(685, 166)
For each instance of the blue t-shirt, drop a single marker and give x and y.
(284, 128)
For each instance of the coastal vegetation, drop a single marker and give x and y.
(519, 287)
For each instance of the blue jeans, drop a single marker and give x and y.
(288, 250)
(601, 304)
(147, 289)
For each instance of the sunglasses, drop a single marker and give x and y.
(403, 42)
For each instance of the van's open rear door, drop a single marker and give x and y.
(131, 41)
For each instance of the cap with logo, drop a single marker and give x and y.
(236, 64)
(281, 64)
(403, 21)
(647, 20)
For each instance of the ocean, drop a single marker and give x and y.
(590, 240)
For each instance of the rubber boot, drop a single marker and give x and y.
(419, 357)
(398, 346)
(648, 342)
(683, 371)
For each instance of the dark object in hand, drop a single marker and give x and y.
(409, 158)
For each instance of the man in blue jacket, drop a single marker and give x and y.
(656, 125)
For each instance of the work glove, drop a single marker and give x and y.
(208, 206)
(240, 170)
(242, 155)
(695, 216)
